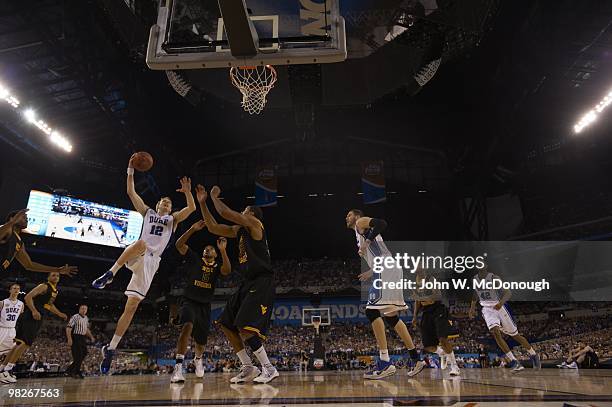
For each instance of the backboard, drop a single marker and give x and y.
(192, 34)
(323, 315)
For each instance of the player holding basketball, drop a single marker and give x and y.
(12, 247)
(383, 305)
(202, 273)
(498, 319)
(246, 316)
(11, 307)
(436, 327)
(143, 256)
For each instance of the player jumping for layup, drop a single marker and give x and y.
(383, 305)
(246, 316)
(498, 320)
(143, 256)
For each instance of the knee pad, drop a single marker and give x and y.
(392, 321)
(254, 342)
(372, 314)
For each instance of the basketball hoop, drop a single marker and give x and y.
(254, 82)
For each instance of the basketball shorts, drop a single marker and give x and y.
(27, 329)
(198, 313)
(250, 308)
(436, 324)
(388, 301)
(500, 318)
(143, 270)
(6, 339)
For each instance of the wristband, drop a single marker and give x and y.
(130, 171)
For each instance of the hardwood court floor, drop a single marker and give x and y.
(475, 387)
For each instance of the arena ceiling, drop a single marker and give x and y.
(506, 94)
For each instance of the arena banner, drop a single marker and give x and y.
(289, 311)
(373, 182)
(494, 272)
(266, 187)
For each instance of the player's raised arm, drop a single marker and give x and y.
(226, 266)
(137, 201)
(190, 208)
(181, 243)
(211, 223)
(24, 259)
(226, 212)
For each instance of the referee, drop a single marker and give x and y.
(76, 331)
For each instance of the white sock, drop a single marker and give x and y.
(384, 355)
(510, 355)
(114, 342)
(115, 268)
(8, 367)
(451, 359)
(262, 356)
(244, 357)
(531, 351)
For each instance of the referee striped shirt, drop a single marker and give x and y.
(78, 324)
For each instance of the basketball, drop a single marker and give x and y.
(143, 161)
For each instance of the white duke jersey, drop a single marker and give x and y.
(156, 231)
(383, 299)
(377, 248)
(489, 298)
(10, 313)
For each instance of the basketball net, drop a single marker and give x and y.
(254, 82)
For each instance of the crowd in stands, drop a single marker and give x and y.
(348, 346)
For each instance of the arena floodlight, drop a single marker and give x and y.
(5, 94)
(591, 115)
(30, 115)
(60, 141)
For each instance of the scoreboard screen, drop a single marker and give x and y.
(65, 217)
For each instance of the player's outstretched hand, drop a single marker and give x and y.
(222, 243)
(185, 185)
(69, 271)
(199, 225)
(201, 193)
(366, 275)
(131, 162)
(63, 316)
(215, 192)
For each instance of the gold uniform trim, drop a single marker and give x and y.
(257, 331)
